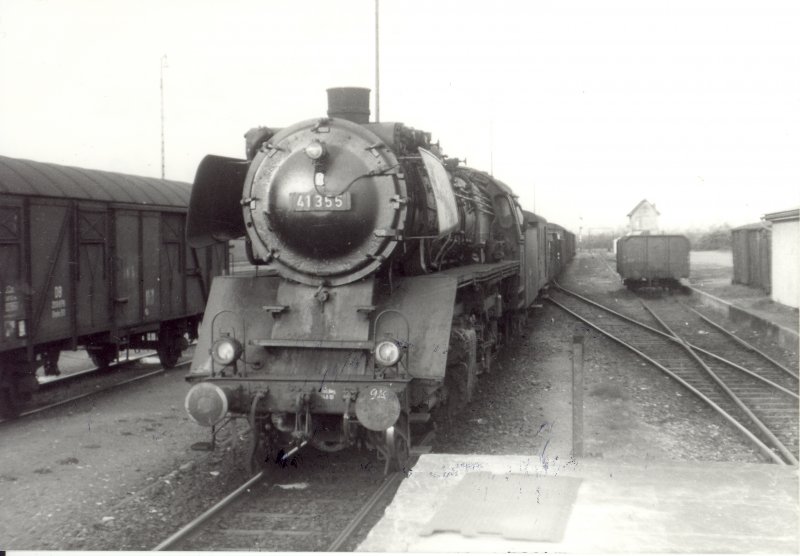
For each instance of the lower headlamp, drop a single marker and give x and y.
(226, 350)
(387, 353)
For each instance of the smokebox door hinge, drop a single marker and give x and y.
(398, 202)
(275, 310)
(391, 233)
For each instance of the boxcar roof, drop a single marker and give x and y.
(26, 177)
(531, 217)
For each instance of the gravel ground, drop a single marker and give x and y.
(110, 472)
(631, 410)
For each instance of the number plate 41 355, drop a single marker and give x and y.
(316, 201)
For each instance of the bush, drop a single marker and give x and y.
(714, 239)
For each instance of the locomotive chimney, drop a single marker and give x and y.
(350, 103)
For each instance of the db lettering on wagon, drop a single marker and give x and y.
(58, 306)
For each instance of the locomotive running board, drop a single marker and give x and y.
(475, 273)
(315, 344)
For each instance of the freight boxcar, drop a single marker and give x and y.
(94, 260)
(535, 228)
(653, 260)
(560, 249)
(569, 249)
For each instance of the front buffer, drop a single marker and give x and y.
(290, 412)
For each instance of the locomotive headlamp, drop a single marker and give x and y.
(315, 150)
(226, 350)
(387, 353)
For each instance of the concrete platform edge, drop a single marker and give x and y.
(786, 337)
(623, 506)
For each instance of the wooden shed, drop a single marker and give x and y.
(752, 252)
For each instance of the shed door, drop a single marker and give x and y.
(741, 265)
(753, 260)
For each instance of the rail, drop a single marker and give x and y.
(731, 399)
(271, 522)
(110, 387)
(715, 356)
(736, 399)
(196, 526)
(191, 527)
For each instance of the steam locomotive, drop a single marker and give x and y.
(386, 276)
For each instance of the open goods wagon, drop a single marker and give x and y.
(96, 260)
(652, 260)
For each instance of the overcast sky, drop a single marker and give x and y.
(582, 107)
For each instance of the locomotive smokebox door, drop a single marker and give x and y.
(377, 408)
(325, 202)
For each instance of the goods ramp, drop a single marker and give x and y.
(463, 503)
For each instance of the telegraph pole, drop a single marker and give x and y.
(163, 65)
(491, 146)
(377, 67)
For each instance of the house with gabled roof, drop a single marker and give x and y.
(643, 219)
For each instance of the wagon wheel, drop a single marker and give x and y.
(457, 388)
(168, 355)
(102, 355)
(9, 400)
(170, 348)
(50, 360)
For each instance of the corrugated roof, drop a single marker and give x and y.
(791, 214)
(27, 177)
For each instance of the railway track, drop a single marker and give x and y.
(50, 388)
(50, 382)
(259, 515)
(754, 392)
(319, 506)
